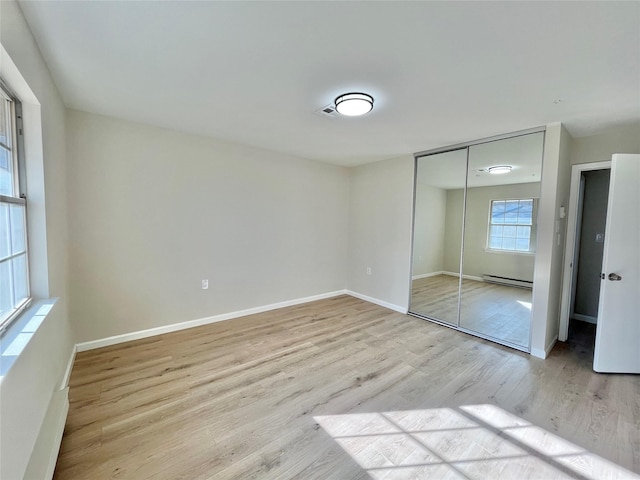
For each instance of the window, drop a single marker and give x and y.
(14, 270)
(511, 225)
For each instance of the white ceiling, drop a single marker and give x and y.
(255, 72)
(448, 170)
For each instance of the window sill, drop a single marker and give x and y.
(17, 336)
(510, 252)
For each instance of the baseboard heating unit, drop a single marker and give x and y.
(512, 282)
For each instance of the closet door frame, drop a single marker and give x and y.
(461, 146)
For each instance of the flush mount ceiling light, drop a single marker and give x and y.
(499, 169)
(354, 104)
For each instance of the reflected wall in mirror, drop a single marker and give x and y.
(469, 220)
(500, 238)
(438, 222)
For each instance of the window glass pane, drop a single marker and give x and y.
(522, 244)
(524, 232)
(5, 129)
(525, 212)
(21, 290)
(14, 278)
(509, 231)
(496, 231)
(508, 243)
(5, 239)
(495, 242)
(497, 212)
(6, 298)
(17, 228)
(6, 172)
(511, 211)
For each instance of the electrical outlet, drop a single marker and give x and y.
(368, 270)
(205, 284)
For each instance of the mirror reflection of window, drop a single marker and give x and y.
(510, 224)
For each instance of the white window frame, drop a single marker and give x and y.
(18, 198)
(532, 226)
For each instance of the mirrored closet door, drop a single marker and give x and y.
(437, 222)
(475, 236)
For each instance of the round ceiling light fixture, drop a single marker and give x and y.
(499, 169)
(354, 104)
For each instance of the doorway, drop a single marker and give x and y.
(584, 252)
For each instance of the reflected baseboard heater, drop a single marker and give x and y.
(512, 282)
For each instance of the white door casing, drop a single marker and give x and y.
(573, 213)
(618, 332)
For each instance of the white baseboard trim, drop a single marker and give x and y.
(42, 462)
(467, 277)
(67, 373)
(425, 275)
(539, 353)
(127, 337)
(585, 318)
(376, 301)
(473, 277)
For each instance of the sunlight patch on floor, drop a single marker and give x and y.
(468, 442)
(526, 305)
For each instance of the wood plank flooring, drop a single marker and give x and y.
(498, 311)
(343, 389)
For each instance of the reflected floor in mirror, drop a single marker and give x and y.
(436, 297)
(500, 311)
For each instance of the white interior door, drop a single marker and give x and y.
(618, 331)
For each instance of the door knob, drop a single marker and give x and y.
(614, 277)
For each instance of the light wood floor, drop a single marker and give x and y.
(343, 389)
(499, 311)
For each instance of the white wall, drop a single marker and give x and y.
(380, 218)
(547, 290)
(153, 212)
(453, 230)
(624, 138)
(597, 148)
(428, 231)
(26, 390)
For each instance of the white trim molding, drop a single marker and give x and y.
(569, 272)
(382, 303)
(466, 277)
(67, 373)
(127, 337)
(17, 336)
(539, 353)
(585, 318)
(425, 275)
(42, 462)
